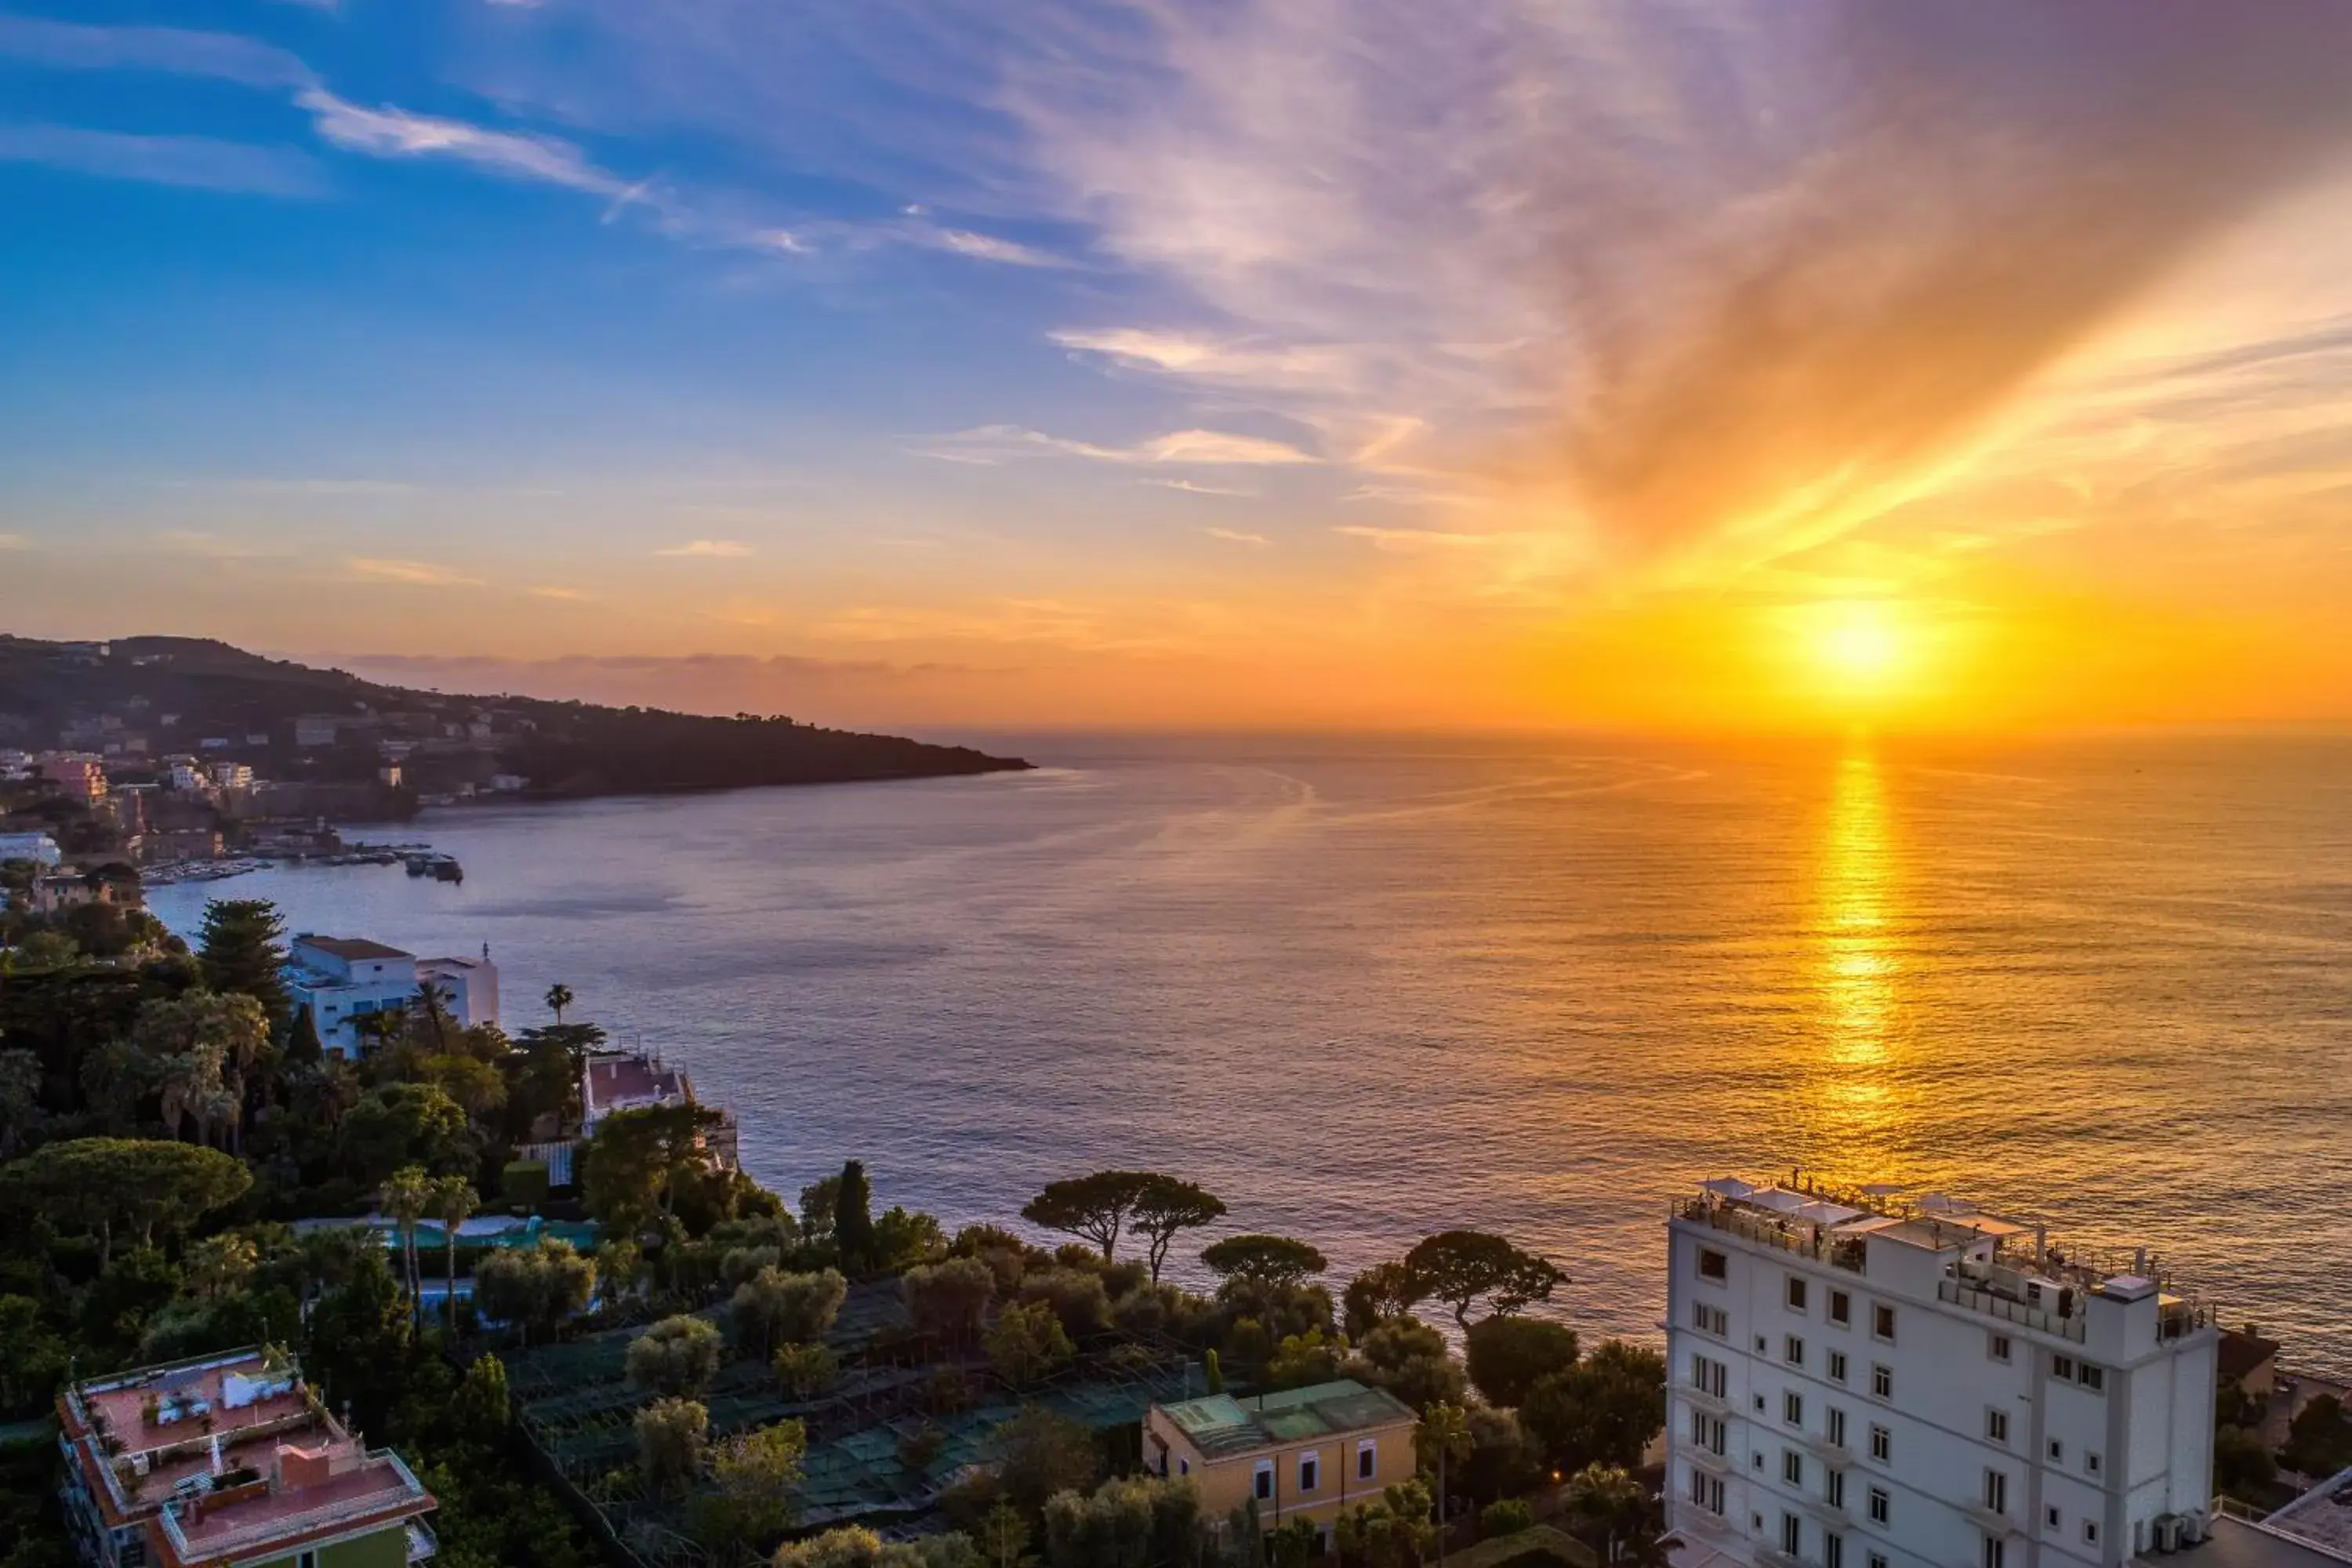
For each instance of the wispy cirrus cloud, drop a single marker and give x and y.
(1237, 536)
(192, 163)
(15, 542)
(389, 132)
(990, 444)
(557, 592)
(708, 549)
(1194, 487)
(224, 57)
(414, 574)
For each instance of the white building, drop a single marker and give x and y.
(38, 848)
(341, 979)
(233, 775)
(1856, 1383)
(632, 1080)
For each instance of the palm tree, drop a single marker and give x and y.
(559, 997)
(433, 1004)
(452, 1199)
(407, 1195)
(1444, 1435)
(219, 1264)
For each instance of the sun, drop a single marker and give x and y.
(1857, 647)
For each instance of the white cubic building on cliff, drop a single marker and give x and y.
(1856, 1383)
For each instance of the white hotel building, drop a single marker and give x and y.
(1860, 1384)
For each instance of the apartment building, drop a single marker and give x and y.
(230, 1462)
(343, 979)
(1859, 1381)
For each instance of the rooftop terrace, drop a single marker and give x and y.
(2003, 1267)
(1222, 1425)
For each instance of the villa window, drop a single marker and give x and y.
(2095, 1378)
(1712, 1265)
(1996, 1491)
(2061, 1367)
(1841, 1306)
(1368, 1459)
(1792, 1351)
(1833, 1488)
(1263, 1485)
(1792, 1408)
(1882, 1444)
(1796, 1293)
(1837, 1366)
(1792, 1466)
(1880, 1505)
(1998, 1347)
(1837, 1426)
(1996, 1425)
(1310, 1471)
(1792, 1534)
(1881, 1323)
(1882, 1381)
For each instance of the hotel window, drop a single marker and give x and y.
(1792, 1408)
(2057, 1452)
(1712, 1263)
(1878, 1560)
(1998, 1347)
(1882, 1381)
(1837, 1366)
(1796, 1293)
(1881, 1444)
(1880, 1505)
(1832, 1551)
(1759, 1404)
(1841, 1306)
(1833, 1488)
(1368, 1459)
(1837, 1426)
(2091, 1532)
(1881, 1323)
(1996, 1551)
(1996, 1491)
(1763, 1344)
(2095, 1378)
(1793, 1351)
(1263, 1483)
(1706, 1491)
(1792, 1466)
(1996, 1425)
(1310, 1471)
(2061, 1367)
(1759, 1458)
(2056, 1520)
(1711, 1319)
(1792, 1534)
(2091, 1463)
(1709, 1376)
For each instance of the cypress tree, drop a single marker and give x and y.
(302, 1045)
(852, 1217)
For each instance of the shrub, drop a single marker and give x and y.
(677, 1356)
(737, 1264)
(1508, 1517)
(805, 1371)
(671, 1437)
(524, 1184)
(773, 1308)
(950, 1298)
(1027, 1343)
(1508, 1355)
(1076, 1297)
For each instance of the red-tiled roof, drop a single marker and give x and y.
(349, 947)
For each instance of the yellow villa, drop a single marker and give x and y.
(1305, 1453)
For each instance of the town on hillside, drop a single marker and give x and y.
(316, 1250)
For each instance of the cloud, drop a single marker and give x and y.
(567, 595)
(1415, 541)
(67, 46)
(1234, 536)
(1194, 488)
(390, 132)
(416, 573)
(983, 247)
(989, 444)
(726, 548)
(15, 542)
(193, 162)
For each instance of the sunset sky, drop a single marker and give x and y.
(1675, 363)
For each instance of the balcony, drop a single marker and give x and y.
(421, 1543)
(1959, 1294)
(1991, 1520)
(1836, 1456)
(1712, 1403)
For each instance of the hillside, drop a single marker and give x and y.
(161, 697)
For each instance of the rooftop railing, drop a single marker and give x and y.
(244, 1537)
(1959, 1294)
(1800, 1236)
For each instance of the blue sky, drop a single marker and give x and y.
(1282, 361)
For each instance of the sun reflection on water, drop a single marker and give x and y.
(1859, 969)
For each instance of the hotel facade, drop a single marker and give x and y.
(1860, 1382)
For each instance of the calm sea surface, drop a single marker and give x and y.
(1367, 990)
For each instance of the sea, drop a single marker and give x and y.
(1369, 988)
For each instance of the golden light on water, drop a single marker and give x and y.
(1858, 971)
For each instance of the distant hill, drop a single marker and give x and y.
(159, 697)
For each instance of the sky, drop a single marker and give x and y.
(1674, 364)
